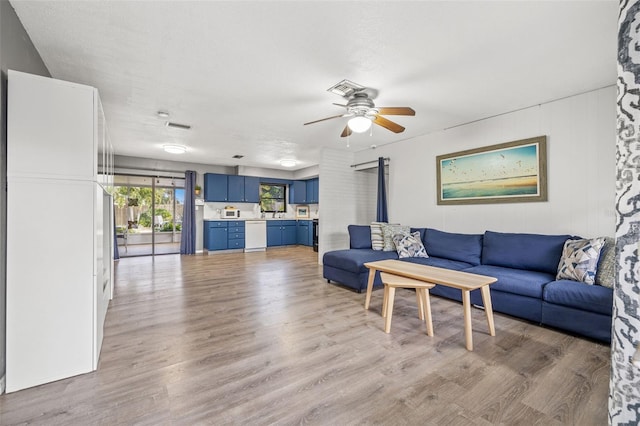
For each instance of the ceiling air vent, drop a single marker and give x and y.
(345, 88)
(238, 156)
(177, 125)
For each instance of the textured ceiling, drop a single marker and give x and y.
(246, 75)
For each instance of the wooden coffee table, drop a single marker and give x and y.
(464, 281)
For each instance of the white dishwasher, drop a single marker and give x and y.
(255, 235)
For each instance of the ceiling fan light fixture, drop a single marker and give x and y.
(288, 162)
(359, 124)
(175, 149)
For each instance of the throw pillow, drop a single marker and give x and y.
(388, 231)
(377, 241)
(605, 275)
(409, 245)
(579, 260)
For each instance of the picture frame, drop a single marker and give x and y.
(511, 172)
(302, 212)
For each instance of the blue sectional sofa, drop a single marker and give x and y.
(524, 264)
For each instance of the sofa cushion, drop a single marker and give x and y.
(389, 230)
(592, 298)
(516, 281)
(532, 252)
(438, 262)
(353, 260)
(461, 247)
(359, 236)
(605, 275)
(409, 245)
(579, 260)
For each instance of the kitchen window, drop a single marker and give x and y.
(273, 197)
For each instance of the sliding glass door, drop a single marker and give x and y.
(148, 214)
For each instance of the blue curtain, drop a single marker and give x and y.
(188, 240)
(381, 214)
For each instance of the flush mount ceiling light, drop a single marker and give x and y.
(360, 124)
(175, 149)
(287, 162)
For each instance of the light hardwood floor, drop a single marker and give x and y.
(261, 338)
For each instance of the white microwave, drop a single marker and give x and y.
(230, 214)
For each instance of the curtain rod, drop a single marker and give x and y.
(369, 162)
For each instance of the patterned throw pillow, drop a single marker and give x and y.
(607, 264)
(388, 232)
(409, 245)
(377, 241)
(579, 260)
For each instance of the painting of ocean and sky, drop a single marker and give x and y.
(495, 174)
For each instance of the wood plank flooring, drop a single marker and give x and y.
(261, 338)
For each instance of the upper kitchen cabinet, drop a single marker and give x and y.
(232, 188)
(215, 187)
(298, 192)
(251, 189)
(304, 191)
(235, 188)
(312, 187)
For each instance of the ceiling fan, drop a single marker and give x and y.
(362, 110)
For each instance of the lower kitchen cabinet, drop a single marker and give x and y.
(223, 235)
(281, 233)
(305, 233)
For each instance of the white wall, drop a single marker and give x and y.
(581, 132)
(337, 191)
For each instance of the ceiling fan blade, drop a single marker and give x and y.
(388, 124)
(324, 119)
(340, 105)
(396, 111)
(346, 131)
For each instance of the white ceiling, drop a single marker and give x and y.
(247, 74)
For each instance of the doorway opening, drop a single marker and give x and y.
(148, 214)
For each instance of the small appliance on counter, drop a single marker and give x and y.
(230, 213)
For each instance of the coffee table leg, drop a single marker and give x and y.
(488, 309)
(389, 310)
(426, 300)
(372, 276)
(466, 304)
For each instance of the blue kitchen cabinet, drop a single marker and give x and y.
(303, 232)
(223, 234)
(298, 192)
(215, 235)
(235, 188)
(231, 188)
(235, 234)
(251, 189)
(274, 233)
(282, 233)
(312, 189)
(289, 232)
(215, 187)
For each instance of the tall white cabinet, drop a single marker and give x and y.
(59, 230)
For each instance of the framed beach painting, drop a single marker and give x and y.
(511, 172)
